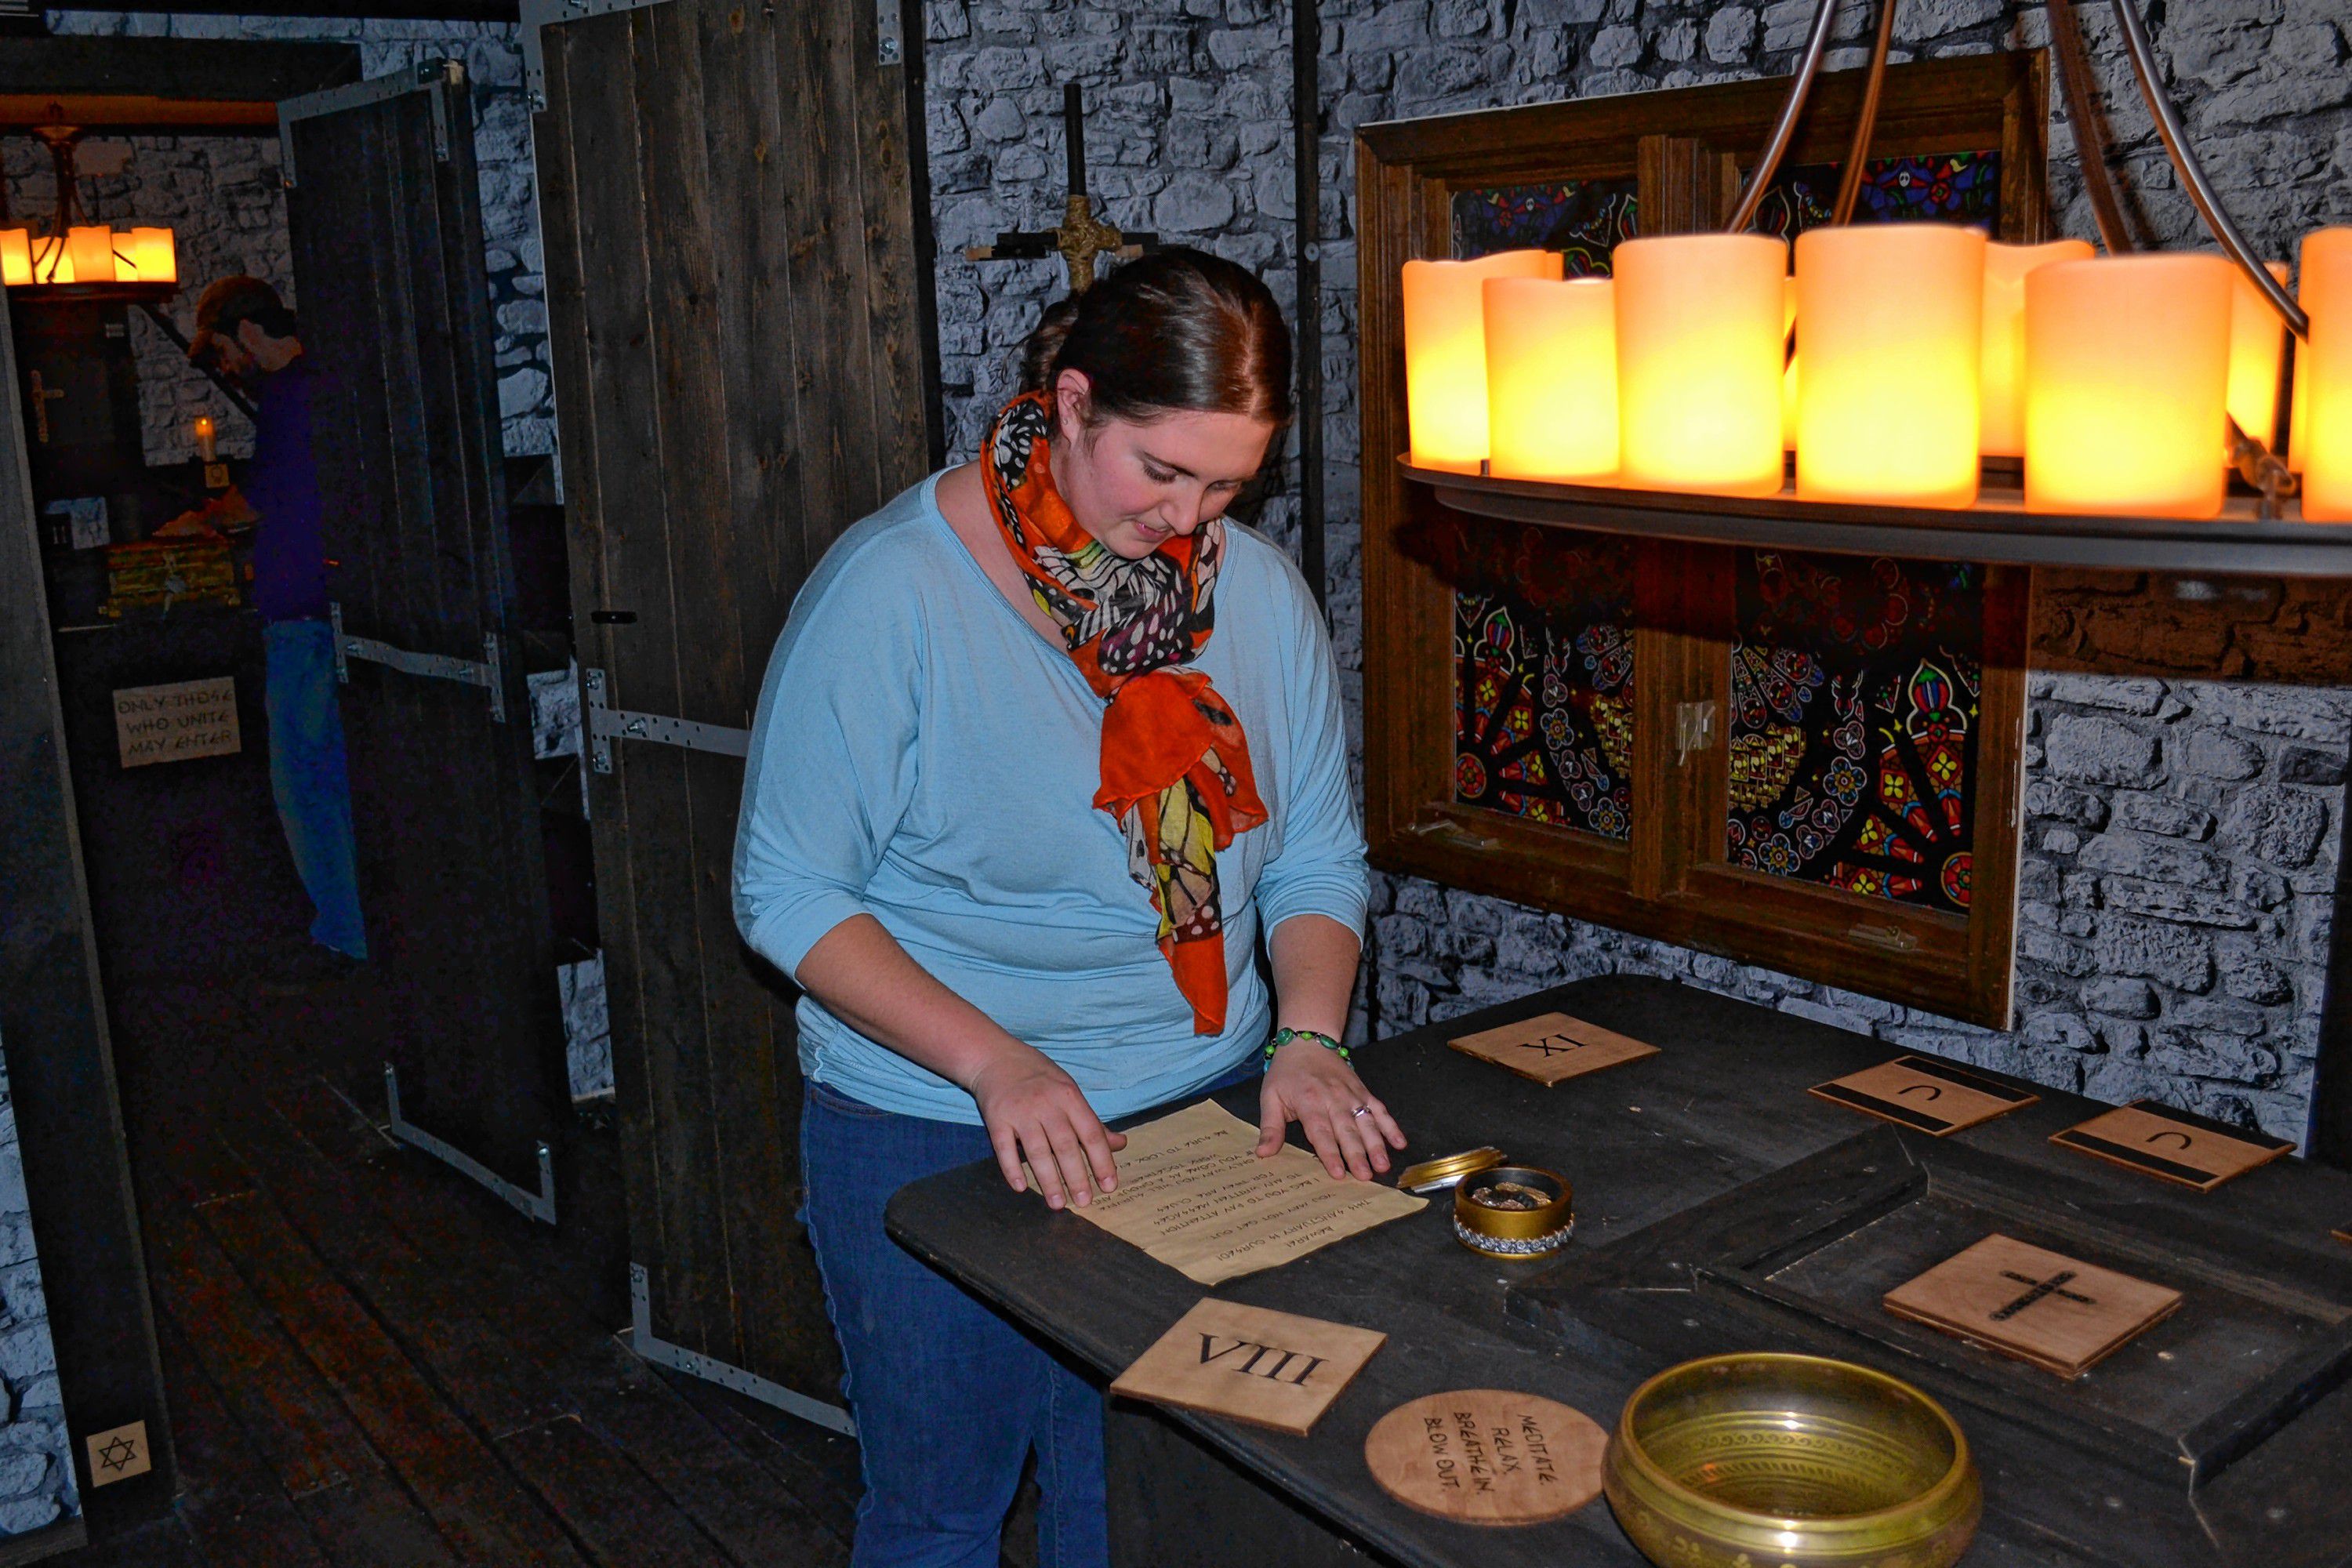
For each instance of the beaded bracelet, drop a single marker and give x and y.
(1283, 1036)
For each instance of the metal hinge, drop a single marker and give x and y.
(1455, 833)
(889, 43)
(1894, 939)
(539, 1206)
(1693, 729)
(608, 724)
(434, 77)
(661, 1352)
(487, 673)
(537, 14)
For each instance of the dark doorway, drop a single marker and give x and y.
(224, 1018)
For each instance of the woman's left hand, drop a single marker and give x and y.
(1350, 1132)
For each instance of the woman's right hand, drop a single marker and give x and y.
(1035, 1111)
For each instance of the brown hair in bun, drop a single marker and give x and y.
(1178, 330)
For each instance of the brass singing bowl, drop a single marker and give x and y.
(1760, 1461)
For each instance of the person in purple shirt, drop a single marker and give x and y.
(246, 332)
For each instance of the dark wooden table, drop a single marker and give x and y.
(1723, 1106)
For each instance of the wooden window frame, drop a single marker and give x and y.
(1672, 881)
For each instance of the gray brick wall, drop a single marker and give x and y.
(2180, 856)
(226, 206)
(224, 197)
(36, 1474)
(1188, 136)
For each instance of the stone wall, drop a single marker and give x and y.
(226, 207)
(2181, 848)
(36, 1474)
(1188, 136)
(224, 197)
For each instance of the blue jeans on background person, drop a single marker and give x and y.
(948, 1397)
(309, 778)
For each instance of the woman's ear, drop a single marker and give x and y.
(1074, 402)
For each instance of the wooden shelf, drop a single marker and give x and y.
(1998, 529)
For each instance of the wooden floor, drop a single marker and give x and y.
(371, 1362)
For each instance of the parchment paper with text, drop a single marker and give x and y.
(1194, 1194)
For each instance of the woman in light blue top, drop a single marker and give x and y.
(1047, 751)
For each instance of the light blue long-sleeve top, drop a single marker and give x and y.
(923, 755)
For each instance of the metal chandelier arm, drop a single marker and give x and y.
(2081, 95)
(1808, 66)
(2192, 174)
(1850, 184)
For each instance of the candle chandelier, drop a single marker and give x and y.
(1894, 359)
(74, 255)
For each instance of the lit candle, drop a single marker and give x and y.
(2299, 400)
(205, 439)
(1445, 352)
(52, 262)
(1699, 361)
(2327, 378)
(2257, 350)
(1789, 376)
(16, 256)
(91, 246)
(2002, 365)
(1893, 319)
(1551, 379)
(152, 259)
(2127, 381)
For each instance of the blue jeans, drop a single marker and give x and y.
(948, 1397)
(308, 778)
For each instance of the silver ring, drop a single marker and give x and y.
(1362, 1110)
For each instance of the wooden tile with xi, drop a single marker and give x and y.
(1552, 1048)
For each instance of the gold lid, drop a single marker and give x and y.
(1448, 1169)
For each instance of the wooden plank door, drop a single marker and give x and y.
(386, 221)
(59, 1062)
(739, 357)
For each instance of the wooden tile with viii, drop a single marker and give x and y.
(1269, 1368)
(2063, 1315)
(1552, 1048)
(2156, 1140)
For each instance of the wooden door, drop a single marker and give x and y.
(54, 1050)
(395, 306)
(740, 347)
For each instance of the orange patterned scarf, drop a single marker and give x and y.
(1175, 764)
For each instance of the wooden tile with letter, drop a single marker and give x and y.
(1552, 1048)
(2156, 1140)
(1269, 1368)
(2062, 1314)
(1922, 1092)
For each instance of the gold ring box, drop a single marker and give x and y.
(1510, 1212)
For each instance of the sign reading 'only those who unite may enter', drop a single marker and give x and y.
(174, 723)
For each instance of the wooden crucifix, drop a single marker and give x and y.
(1082, 236)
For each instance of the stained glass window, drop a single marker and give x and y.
(1854, 687)
(1855, 682)
(1951, 187)
(1543, 652)
(1581, 219)
(1543, 660)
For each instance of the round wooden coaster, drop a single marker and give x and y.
(1487, 1456)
